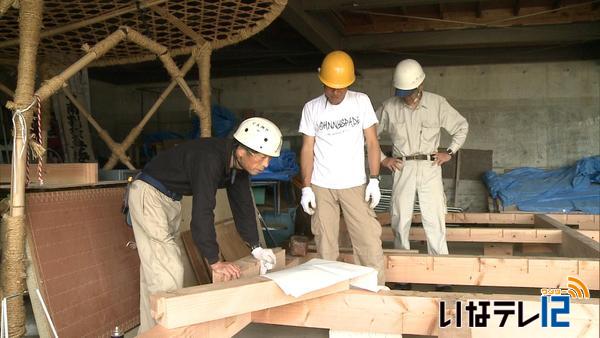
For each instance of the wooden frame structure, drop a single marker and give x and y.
(25, 30)
(412, 312)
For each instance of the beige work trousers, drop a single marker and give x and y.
(425, 178)
(155, 218)
(363, 227)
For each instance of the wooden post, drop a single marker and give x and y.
(12, 272)
(133, 134)
(203, 60)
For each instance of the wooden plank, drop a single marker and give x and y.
(416, 313)
(491, 271)
(199, 265)
(574, 244)
(495, 235)
(498, 249)
(593, 234)
(356, 310)
(539, 249)
(584, 221)
(204, 303)
(58, 173)
(231, 245)
(225, 327)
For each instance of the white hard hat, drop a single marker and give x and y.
(408, 75)
(260, 135)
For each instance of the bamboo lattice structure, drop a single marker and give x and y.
(122, 32)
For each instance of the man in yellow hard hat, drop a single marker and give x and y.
(335, 126)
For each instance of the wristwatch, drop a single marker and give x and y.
(449, 151)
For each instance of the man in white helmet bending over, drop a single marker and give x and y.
(413, 118)
(198, 168)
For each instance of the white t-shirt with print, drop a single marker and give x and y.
(339, 161)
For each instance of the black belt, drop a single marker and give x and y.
(159, 186)
(417, 158)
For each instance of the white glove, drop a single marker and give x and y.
(372, 192)
(308, 200)
(266, 257)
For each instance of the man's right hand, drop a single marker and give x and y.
(308, 200)
(228, 270)
(392, 163)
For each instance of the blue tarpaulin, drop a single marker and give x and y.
(572, 188)
(281, 168)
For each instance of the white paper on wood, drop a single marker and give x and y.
(319, 273)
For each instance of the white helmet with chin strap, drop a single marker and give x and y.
(260, 135)
(408, 76)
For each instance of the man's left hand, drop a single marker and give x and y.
(266, 257)
(441, 158)
(372, 192)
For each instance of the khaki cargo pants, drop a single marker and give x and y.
(155, 218)
(363, 227)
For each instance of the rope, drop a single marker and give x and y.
(40, 165)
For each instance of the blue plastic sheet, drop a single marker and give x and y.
(222, 119)
(281, 168)
(572, 188)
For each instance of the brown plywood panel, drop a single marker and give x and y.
(57, 173)
(88, 277)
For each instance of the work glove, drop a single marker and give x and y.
(266, 257)
(308, 200)
(372, 192)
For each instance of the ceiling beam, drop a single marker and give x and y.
(323, 5)
(512, 36)
(321, 35)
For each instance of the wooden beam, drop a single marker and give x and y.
(320, 5)
(58, 173)
(204, 303)
(416, 313)
(491, 271)
(574, 244)
(489, 235)
(498, 249)
(475, 37)
(585, 221)
(321, 35)
(225, 327)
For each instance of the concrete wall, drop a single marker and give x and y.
(538, 114)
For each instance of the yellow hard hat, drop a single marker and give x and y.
(337, 70)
